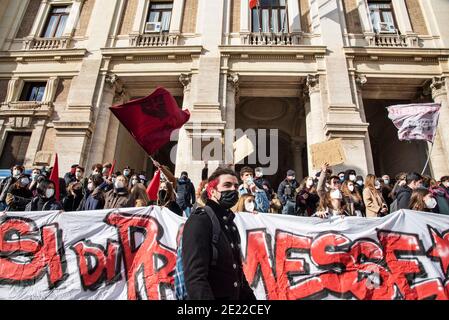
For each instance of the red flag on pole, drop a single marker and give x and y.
(153, 186)
(152, 119)
(253, 3)
(54, 176)
(112, 169)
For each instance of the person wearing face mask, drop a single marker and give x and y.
(440, 195)
(246, 203)
(353, 199)
(185, 193)
(359, 184)
(263, 183)
(350, 175)
(166, 197)
(210, 245)
(307, 198)
(133, 181)
(423, 200)
(45, 200)
(341, 176)
(72, 201)
(119, 196)
(372, 197)
(250, 187)
(16, 171)
(19, 195)
(445, 183)
(331, 198)
(34, 177)
(95, 196)
(287, 193)
(127, 172)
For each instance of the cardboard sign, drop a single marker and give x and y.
(243, 147)
(330, 151)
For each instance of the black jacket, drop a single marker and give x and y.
(403, 196)
(185, 193)
(287, 191)
(225, 280)
(42, 204)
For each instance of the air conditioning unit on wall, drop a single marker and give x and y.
(151, 27)
(386, 27)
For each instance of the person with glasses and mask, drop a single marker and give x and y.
(19, 195)
(211, 253)
(307, 198)
(45, 200)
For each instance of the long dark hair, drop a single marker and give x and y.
(42, 187)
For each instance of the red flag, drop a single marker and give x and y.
(54, 176)
(253, 3)
(112, 169)
(153, 186)
(152, 119)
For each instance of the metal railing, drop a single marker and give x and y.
(153, 40)
(270, 39)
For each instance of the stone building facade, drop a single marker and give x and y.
(314, 70)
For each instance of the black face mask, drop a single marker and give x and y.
(228, 198)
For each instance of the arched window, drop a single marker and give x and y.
(270, 16)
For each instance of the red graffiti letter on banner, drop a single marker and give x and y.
(286, 266)
(258, 264)
(142, 259)
(19, 238)
(107, 264)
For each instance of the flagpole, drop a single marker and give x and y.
(428, 159)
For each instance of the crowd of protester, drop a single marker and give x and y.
(323, 195)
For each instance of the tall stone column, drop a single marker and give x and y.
(184, 147)
(112, 88)
(297, 158)
(314, 115)
(232, 96)
(360, 82)
(440, 152)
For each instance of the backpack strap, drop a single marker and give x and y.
(216, 230)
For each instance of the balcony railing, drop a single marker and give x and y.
(270, 39)
(392, 40)
(153, 40)
(46, 43)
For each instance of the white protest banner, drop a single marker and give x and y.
(131, 254)
(415, 121)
